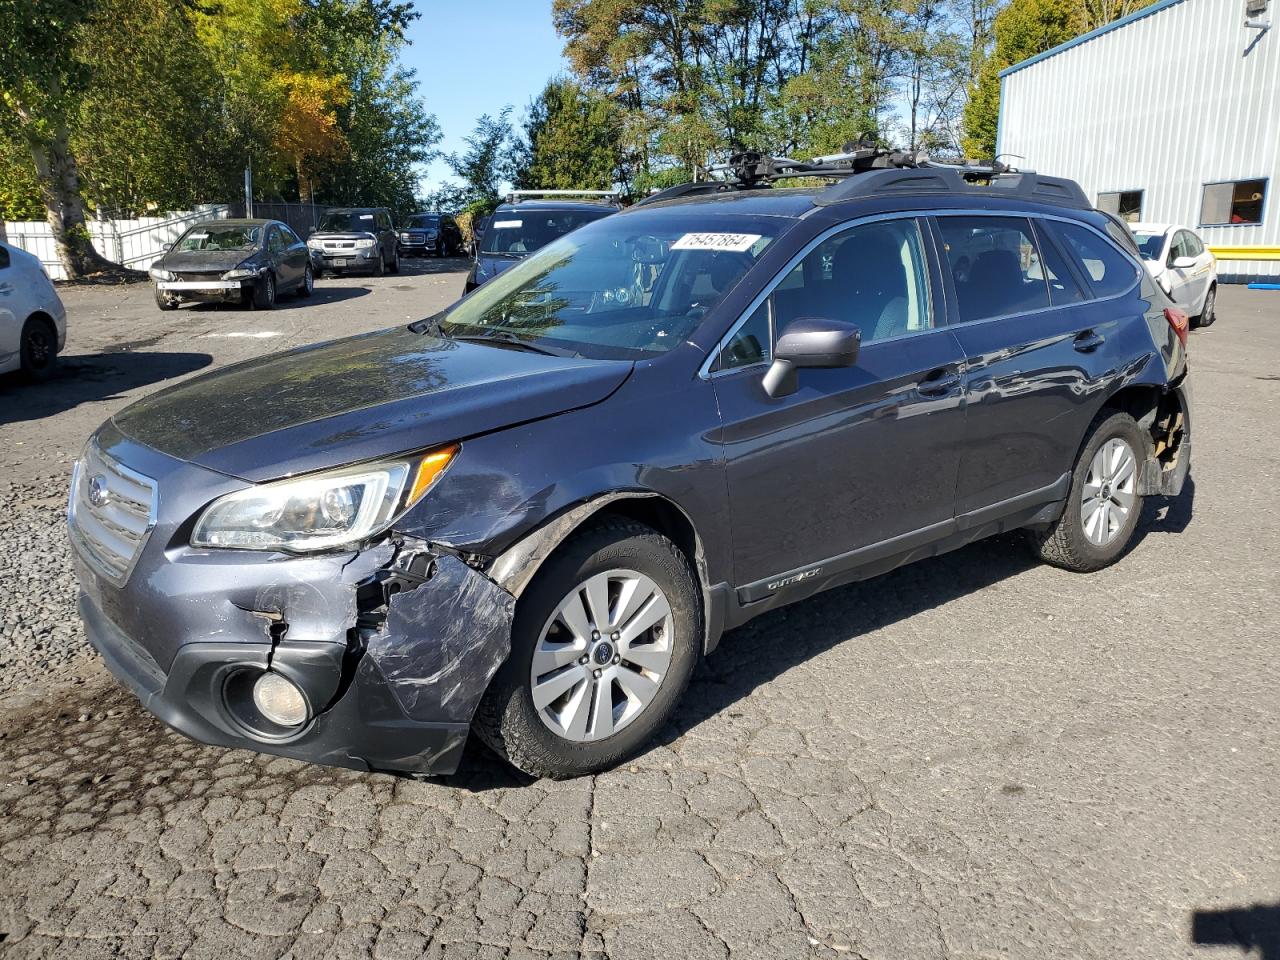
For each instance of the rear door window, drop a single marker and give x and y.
(1108, 271)
(1063, 287)
(995, 265)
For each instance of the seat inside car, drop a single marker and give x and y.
(994, 286)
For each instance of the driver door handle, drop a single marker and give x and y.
(938, 383)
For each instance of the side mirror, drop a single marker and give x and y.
(311, 229)
(810, 342)
(166, 247)
(1183, 263)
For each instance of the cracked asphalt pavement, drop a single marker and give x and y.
(972, 757)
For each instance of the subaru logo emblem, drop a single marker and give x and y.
(98, 493)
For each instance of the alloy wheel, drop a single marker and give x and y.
(38, 347)
(1109, 493)
(602, 655)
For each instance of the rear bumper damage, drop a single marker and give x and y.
(392, 649)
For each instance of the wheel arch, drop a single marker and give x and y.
(515, 568)
(1162, 416)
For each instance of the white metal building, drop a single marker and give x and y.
(1171, 114)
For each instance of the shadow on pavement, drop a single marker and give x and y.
(83, 378)
(1249, 929)
(761, 650)
(288, 302)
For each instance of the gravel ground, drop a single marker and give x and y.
(973, 757)
(41, 639)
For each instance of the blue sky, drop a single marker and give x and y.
(476, 56)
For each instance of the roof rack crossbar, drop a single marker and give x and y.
(515, 196)
(866, 170)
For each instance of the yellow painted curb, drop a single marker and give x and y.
(1246, 253)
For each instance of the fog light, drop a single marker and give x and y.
(279, 700)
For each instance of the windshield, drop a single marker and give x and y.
(346, 221)
(213, 236)
(1150, 245)
(517, 231)
(625, 287)
(421, 222)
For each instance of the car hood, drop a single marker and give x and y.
(201, 261)
(359, 398)
(344, 235)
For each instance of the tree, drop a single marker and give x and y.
(487, 163)
(41, 84)
(571, 140)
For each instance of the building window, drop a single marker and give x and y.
(1126, 204)
(1236, 201)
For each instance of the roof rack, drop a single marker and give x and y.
(515, 196)
(866, 170)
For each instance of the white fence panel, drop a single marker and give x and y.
(134, 243)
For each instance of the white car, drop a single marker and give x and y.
(1182, 265)
(33, 322)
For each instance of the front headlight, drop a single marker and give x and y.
(364, 244)
(321, 511)
(241, 273)
(158, 274)
(315, 244)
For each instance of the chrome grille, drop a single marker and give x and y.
(111, 512)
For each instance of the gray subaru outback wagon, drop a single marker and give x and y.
(530, 515)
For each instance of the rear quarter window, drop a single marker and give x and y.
(1107, 271)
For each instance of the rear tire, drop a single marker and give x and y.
(508, 719)
(1208, 314)
(38, 350)
(1103, 505)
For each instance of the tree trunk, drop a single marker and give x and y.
(60, 186)
(305, 194)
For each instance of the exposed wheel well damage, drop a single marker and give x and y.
(1160, 414)
(516, 567)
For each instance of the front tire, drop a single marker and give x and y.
(394, 266)
(264, 292)
(380, 267)
(1103, 504)
(308, 283)
(38, 350)
(603, 645)
(164, 302)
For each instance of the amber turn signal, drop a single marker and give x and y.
(430, 467)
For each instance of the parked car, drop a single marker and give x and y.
(356, 239)
(434, 233)
(1183, 267)
(33, 322)
(529, 221)
(531, 514)
(246, 262)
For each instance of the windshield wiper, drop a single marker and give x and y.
(507, 339)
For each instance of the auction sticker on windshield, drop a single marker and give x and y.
(734, 242)
(507, 224)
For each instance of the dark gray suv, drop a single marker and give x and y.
(355, 240)
(530, 515)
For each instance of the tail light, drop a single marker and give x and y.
(1180, 323)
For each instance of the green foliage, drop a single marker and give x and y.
(164, 102)
(571, 140)
(487, 163)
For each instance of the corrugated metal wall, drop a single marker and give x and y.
(1167, 103)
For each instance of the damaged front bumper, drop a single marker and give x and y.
(395, 690)
(392, 646)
